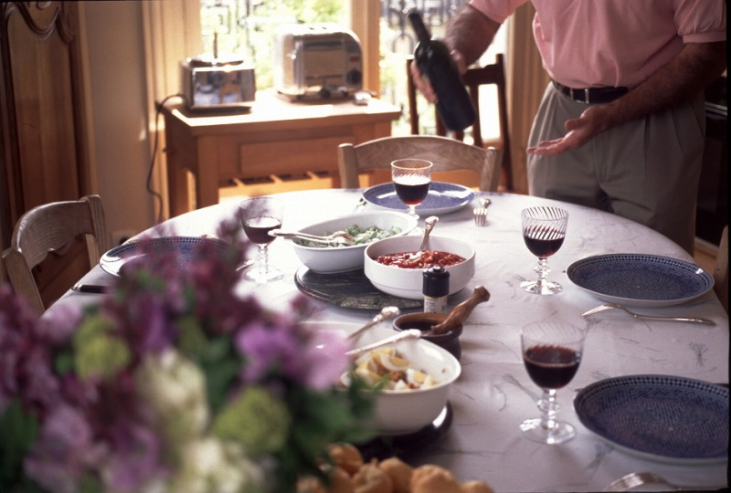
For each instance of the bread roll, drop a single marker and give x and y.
(346, 456)
(433, 479)
(476, 487)
(399, 472)
(371, 479)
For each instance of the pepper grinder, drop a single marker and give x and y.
(436, 289)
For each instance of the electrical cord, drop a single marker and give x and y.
(156, 195)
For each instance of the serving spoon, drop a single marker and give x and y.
(401, 336)
(386, 313)
(340, 237)
(430, 222)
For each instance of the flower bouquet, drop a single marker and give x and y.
(170, 383)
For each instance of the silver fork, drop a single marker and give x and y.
(611, 306)
(480, 213)
(635, 479)
(360, 205)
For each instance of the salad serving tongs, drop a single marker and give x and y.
(340, 237)
(611, 306)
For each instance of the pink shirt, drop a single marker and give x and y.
(579, 48)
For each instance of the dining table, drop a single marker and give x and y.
(494, 394)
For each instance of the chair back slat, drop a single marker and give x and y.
(447, 155)
(51, 228)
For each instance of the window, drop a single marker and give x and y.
(246, 28)
(397, 43)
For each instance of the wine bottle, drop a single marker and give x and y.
(436, 64)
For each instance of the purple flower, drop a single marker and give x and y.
(324, 360)
(314, 359)
(136, 457)
(64, 451)
(267, 348)
(60, 324)
(25, 358)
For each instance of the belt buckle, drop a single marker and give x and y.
(575, 95)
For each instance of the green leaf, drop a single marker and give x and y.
(89, 484)
(218, 381)
(18, 430)
(64, 363)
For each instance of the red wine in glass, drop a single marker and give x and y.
(257, 229)
(544, 247)
(411, 179)
(412, 191)
(260, 215)
(551, 367)
(551, 355)
(544, 229)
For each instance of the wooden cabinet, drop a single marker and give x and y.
(43, 152)
(278, 136)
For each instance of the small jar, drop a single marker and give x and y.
(435, 289)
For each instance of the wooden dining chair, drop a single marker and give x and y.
(473, 79)
(50, 228)
(720, 270)
(447, 155)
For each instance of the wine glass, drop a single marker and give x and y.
(544, 229)
(411, 179)
(551, 354)
(260, 215)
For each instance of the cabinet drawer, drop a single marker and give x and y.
(290, 156)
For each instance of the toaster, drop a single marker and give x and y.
(211, 82)
(317, 61)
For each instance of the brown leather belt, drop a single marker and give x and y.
(592, 95)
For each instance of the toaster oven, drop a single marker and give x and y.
(212, 82)
(317, 61)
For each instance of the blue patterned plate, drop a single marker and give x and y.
(145, 250)
(442, 199)
(640, 279)
(662, 418)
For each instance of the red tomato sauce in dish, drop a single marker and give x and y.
(420, 260)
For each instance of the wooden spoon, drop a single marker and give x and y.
(460, 312)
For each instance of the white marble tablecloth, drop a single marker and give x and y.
(494, 393)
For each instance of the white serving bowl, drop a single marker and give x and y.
(408, 283)
(328, 260)
(400, 412)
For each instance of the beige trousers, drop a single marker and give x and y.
(646, 170)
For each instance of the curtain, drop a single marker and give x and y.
(526, 81)
(171, 34)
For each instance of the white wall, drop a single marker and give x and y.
(121, 152)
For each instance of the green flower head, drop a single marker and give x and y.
(256, 419)
(101, 356)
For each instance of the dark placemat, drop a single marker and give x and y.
(348, 290)
(408, 445)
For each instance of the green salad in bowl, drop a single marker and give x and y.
(360, 236)
(366, 228)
